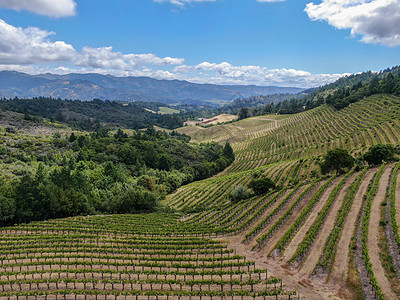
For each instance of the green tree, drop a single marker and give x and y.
(7, 210)
(244, 113)
(379, 153)
(337, 160)
(239, 193)
(72, 138)
(261, 185)
(228, 152)
(165, 162)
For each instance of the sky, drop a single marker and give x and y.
(300, 43)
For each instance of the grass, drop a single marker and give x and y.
(167, 111)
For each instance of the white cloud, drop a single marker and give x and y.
(28, 46)
(51, 8)
(225, 73)
(183, 2)
(30, 50)
(377, 21)
(104, 57)
(31, 45)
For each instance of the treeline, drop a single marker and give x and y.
(106, 173)
(89, 115)
(340, 94)
(259, 102)
(343, 97)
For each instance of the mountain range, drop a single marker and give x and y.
(86, 87)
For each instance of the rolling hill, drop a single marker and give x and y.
(87, 87)
(322, 234)
(316, 236)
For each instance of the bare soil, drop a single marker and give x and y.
(309, 289)
(339, 270)
(318, 244)
(373, 236)
(291, 248)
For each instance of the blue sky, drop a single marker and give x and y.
(287, 43)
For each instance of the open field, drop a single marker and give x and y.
(167, 110)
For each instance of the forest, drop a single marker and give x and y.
(102, 172)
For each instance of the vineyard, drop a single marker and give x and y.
(314, 237)
(326, 236)
(126, 257)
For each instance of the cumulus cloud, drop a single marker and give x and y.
(31, 50)
(183, 2)
(31, 45)
(51, 8)
(377, 21)
(104, 57)
(225, 73)
(28, 46)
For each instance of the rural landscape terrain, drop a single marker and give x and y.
(199, 150)
(157, 224)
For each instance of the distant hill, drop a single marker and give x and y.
(87, 87)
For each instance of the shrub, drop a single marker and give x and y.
(379, 153)
(261, 185)
(239, 193)
(337, 160)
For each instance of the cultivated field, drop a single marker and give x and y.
(333, 237)
(326, 236)
(126, 257)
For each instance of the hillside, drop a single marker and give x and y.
(86, 87)
(315, 237)
(306, 231)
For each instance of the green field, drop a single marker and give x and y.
(167, 110)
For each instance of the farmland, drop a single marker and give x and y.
(314, 237)
(328, 234)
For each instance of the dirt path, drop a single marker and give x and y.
(373, 236)
(267, 212)
(278, 215)
(398, 200)
(269, 246)
(291, 248)
(339, 270)
(308, 289)
(318, 244)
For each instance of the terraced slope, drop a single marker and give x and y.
(324, 235)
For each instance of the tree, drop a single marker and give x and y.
(337, 160)
(72, 138)
(261, 185)
(379, 153)
(228, 152)
(244, 113)
(239, 193)
(7, 210)
(164, 162)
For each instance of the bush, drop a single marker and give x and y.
(239, 193)
(379, 153)
(261, 185)
(337, 160)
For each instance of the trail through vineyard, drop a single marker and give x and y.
(308, 288)
(374, 233)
